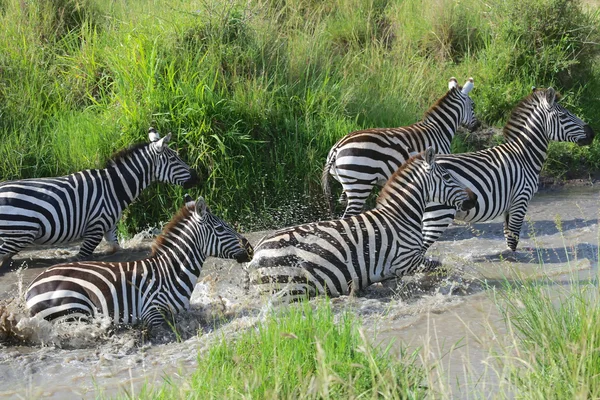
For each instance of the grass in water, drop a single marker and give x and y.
(554, 323)
(304, 351)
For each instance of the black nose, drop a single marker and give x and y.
(474, 126)
(246, 254)
(589, 136)
(468, 204)
(193, 181)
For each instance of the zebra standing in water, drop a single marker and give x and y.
(87, 204)
(506, 177)
(147, 291)
(363, 159)
(336, 257)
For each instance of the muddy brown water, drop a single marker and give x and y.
(452, 321)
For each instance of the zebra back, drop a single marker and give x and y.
(140, 291)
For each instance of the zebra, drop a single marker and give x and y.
(506, 177)
(148, 291)
(87, 204)
(339, 256)
(363, 159)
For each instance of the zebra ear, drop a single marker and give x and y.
(468, 86)
(201, 206)
(189, 202)
(163, 143)
(452, 83)
(153, 136)
(429, 155)
(533, 89)
(550, 95)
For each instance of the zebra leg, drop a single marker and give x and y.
(111, 238)
(513, 221)
(356, 202)
(436, 219)
(91, 240)
(13, 242)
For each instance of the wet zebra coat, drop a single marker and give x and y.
(364, 159)
(87, 204)
(336, 257)
(505, 177)
(146, 291)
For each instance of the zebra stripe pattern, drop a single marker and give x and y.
(146, 291)
(87, 204)
(363, 159)
(336, 257)
(506, 177)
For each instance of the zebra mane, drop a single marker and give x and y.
(182, 214)
(384, 191)
(441, 100)
(523, 111)
(124, 153)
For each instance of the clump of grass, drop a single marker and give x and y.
(557, 352)
(301, 352)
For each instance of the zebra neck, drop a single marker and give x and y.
(183, 258)
(128, 180)
(533, 145)
(444, 117)
(407, 200)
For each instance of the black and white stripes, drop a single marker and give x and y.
(335, 257)
(364, 159)
(505, 177)
(144, 291)
(87, 204)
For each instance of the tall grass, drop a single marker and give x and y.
(557, 355)
(302, 352)
(257, 92)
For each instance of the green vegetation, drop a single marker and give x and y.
(257, 92)
(558, 339)
(300, 353)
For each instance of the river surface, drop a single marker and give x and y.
(452, 320)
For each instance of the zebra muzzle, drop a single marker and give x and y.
(589, 136)
(246, 254)
(192, 181)
(471, 202)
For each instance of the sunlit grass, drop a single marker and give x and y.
(305, 352)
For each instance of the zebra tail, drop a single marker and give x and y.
(325, 181)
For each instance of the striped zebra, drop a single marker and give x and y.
(148, 291)
(506, 177)
(364, 159)
(339, 256)
(87, 204)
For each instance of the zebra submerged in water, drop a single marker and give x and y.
(505, 177)
(87, 204)
(336, 257)
(366, 158)
(145, 291)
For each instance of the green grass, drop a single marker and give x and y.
(302, 352)
(558, 347)
(257, 92)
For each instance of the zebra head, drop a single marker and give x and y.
(217, 238)
(562, 125)
(460, 95)
(443, 187)
(168, 166)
